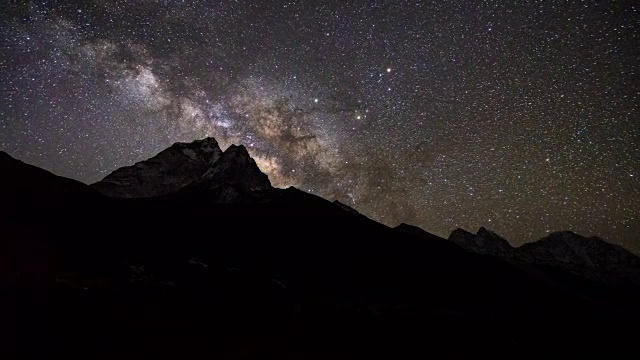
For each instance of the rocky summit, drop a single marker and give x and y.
(483, 242)
(234, 167)
(167, 172)
(198, 168)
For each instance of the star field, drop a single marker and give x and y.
(520, 118)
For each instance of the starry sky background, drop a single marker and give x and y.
(520, 118)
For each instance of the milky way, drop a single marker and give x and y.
(521, 118)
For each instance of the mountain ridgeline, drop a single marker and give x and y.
(194, 253)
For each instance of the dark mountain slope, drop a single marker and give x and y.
(417, 232)
(26, 186)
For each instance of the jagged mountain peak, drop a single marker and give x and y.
(489, 234)
(208, 142)
(234, 167)
(460, 232)
(239, 152)
(167, 172)
(206, 149)
(200, 164)
(484, 241)
(203, 143)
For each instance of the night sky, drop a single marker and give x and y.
(520, 118)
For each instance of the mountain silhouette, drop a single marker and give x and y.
(194, 252)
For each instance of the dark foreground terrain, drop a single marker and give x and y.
(224, 268)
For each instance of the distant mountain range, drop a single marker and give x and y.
(196, 241)
(591, 257)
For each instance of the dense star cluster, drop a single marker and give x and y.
(521, 117)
